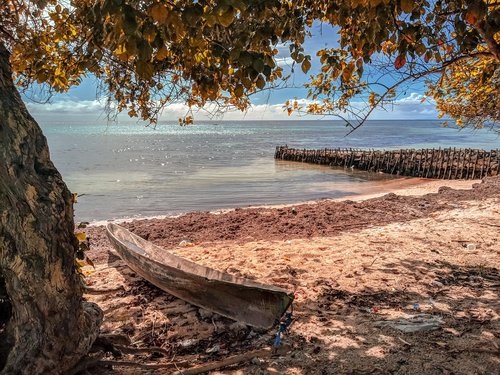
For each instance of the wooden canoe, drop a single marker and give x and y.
(240, 299)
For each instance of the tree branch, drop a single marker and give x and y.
(493, 46)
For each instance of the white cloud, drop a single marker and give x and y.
(68, 106)
(413, 98)
(284, 61)
(409, 107)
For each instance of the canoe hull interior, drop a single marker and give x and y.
(243, 300)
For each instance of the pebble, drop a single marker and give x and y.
(257, 361)
(205, 314)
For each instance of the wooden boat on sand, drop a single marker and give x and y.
(240, 299)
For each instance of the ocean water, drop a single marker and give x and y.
(130, 170)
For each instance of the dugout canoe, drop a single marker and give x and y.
(237, 298)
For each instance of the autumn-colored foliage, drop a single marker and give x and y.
(149, 53)
(468, 91)
(385, 46)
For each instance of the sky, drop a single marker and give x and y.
(267, 105)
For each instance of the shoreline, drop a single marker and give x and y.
(405, 186)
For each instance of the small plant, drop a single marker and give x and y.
(81, 259)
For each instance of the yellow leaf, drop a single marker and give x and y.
(407, 6)
(400, 61)
(227, 18)
(471, 17)
(80, 236)
(306, 65)
(260, 83)
(144, 69)
(372, 99)
(159, 12)
(238, 91)
(89, 262)
(162, 54)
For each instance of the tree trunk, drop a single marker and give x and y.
(48, 325)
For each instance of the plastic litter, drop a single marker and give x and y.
(413, 323)
(371, 310)
(213, 349)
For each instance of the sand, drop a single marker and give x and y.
(353, 266)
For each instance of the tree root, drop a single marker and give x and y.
(90, 290)
(132, 350)
(116, 338)
(105, 343)
(233, 360)
(144, 366)
(96, 361)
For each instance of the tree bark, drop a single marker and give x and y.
(50, 326)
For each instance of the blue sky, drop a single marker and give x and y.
(267, 105)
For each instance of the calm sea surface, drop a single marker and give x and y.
(129, 170)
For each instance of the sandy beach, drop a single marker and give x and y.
(411, 249)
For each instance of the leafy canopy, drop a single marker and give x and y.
(149, 53)
(386, 45)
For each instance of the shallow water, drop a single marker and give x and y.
(129, 170)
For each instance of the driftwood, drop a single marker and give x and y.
(97, 360)
(90, 290)
(233, 360)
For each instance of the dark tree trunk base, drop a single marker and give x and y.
(5, 315)
(49, 327)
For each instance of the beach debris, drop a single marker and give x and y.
(371, 310)
(416, 307)
(413, 323)
(404, 341)
(213, 349)
(186, 243)
(294, 211)
(471, 247)
(257, 361)
(205, 314)
(437, 284)
(188, 343)
(233, 360)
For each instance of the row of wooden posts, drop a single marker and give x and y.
(447, 163)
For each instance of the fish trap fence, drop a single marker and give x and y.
(447, 163)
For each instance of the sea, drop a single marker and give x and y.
(127, 169)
